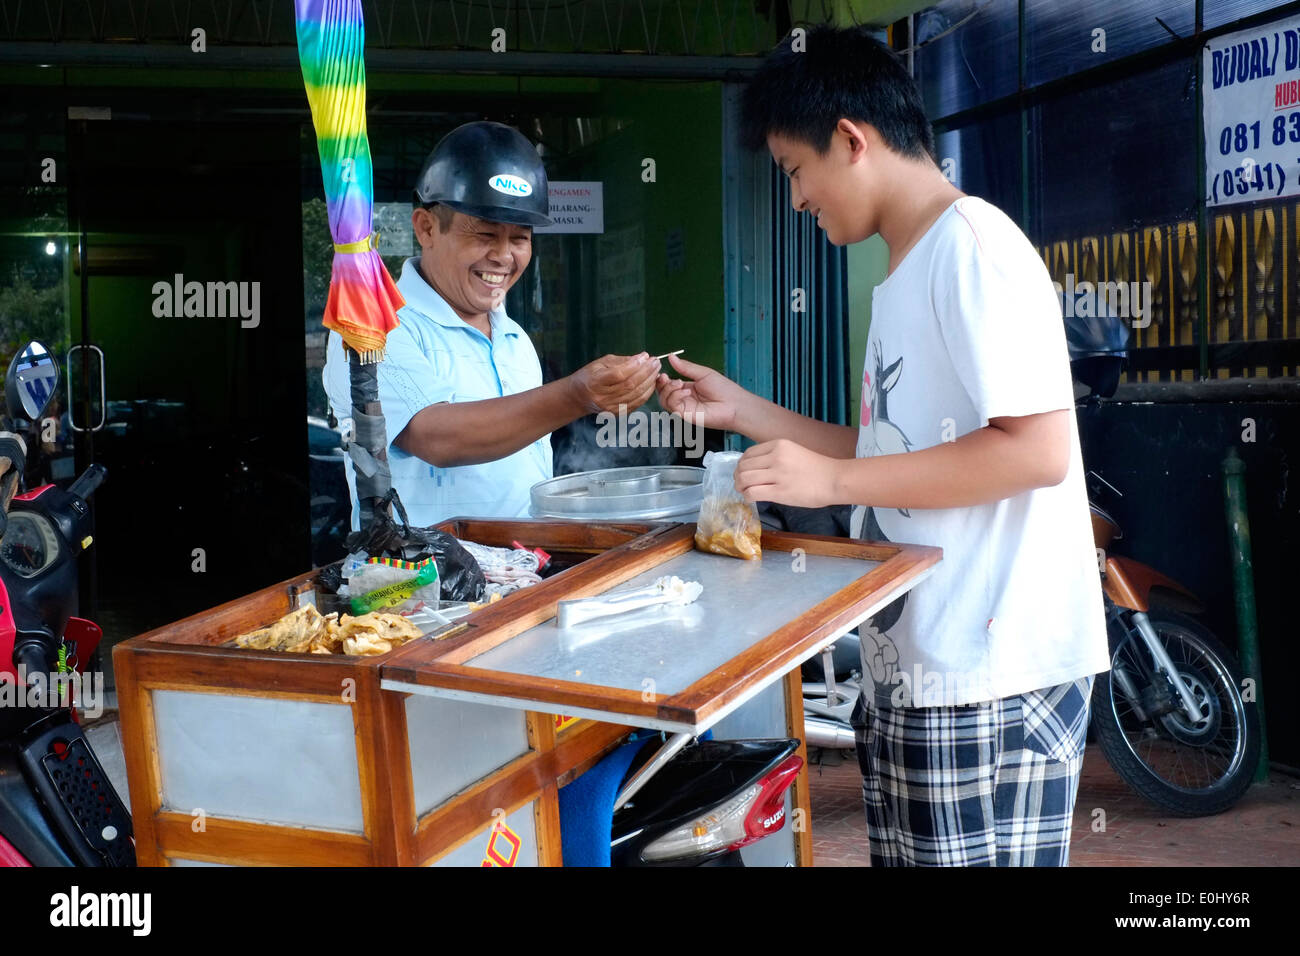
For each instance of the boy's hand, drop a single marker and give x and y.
(786, 473)
(704, 397)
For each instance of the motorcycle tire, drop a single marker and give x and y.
(1229, 731)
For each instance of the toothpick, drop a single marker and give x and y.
(666, 354)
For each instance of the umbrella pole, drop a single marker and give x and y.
(369, 446)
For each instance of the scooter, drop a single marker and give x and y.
(1169, 714)
(697, 803)
(57, 805)
(828, 703)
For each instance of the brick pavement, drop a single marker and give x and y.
(1261, 830)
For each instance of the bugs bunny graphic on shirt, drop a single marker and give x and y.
(880, 436)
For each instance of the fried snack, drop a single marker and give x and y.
(329, 640)
(295, 629)
(374, 633)
(306, 631)
(258, 640)
(731, 528)
(365, 643)
(391, 627)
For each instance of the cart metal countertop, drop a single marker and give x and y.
(679, 669)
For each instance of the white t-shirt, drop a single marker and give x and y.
(968, 328)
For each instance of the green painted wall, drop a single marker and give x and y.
(868, 263)
(679, 127)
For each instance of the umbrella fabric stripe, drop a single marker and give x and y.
(363, 300)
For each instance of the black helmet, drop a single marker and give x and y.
(1097, 345)
(487, 170)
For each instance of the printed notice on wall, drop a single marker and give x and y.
(620, 272)
(576, 207)
(1252, 114)
(392, 221)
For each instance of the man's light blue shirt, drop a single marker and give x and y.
(436, 356)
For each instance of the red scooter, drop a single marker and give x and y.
(57, 805)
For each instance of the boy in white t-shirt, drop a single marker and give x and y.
(972, 724)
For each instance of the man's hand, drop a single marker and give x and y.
(704, 397)
(786, 473)
(614, 380)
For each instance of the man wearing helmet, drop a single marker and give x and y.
(468, 417)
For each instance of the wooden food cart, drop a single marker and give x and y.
(451, 751)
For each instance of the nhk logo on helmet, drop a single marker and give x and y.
(510, 185)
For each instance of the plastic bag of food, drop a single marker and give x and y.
(387, 584)
(728, 523)
(460, 576)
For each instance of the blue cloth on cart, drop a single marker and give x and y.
(587, 808)
(587, 805)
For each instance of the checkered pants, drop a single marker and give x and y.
(989, 784)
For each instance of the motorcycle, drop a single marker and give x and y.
(57, 805)
(1169, 714)
(709, 799)
(828, 703)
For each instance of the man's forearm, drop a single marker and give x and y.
(470, 433)
(761, 420)
(984, 466)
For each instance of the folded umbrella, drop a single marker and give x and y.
(363, 299)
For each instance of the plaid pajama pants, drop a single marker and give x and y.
(988, 784)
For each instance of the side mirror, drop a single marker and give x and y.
(31, 382)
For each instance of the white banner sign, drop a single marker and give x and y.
(576, 207)
(392, 220)
(1252, 114)
(620, 271)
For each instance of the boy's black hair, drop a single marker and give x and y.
(838, 73)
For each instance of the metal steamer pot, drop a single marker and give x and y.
(640, 493)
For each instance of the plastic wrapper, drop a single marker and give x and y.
(506, 569)
(382, 587)
(728, 524)
(460, 577)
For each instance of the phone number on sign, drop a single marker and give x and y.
(1250, 177)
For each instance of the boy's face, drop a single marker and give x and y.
(835, 187)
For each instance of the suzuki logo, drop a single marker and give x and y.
(774, 820)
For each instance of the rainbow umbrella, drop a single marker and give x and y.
(363, 299)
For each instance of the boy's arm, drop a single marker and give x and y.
(1005, 458)
(708, 398)
(764, 421)
(999, 320)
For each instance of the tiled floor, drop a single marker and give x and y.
(1262, 830)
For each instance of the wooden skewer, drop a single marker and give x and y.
(666, 354)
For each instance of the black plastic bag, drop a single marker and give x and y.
(462, 579)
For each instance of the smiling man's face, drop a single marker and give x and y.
(474, 262)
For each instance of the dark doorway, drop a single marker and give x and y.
(201, 422)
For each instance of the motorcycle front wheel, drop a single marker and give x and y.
(1190, 769)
